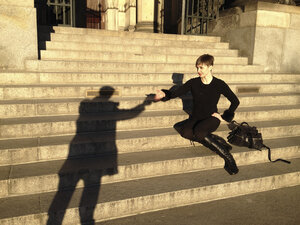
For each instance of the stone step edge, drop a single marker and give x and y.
(139, 73)
(143, 42)
(18, 77)
(207, 161)
(38, 107)
(135, 35)
(69, 126)
(131, 54)
(62, 65)
(125, 135)
(178, 38)
(260, 125)
(267, 183)
(101, 66)
(142, 49)
(266, 206)
(148, 203)
(128, 98)
(33, 93)
(137, 63)
(138, 84)
(143, 58)
(105, 116)
(90, 31)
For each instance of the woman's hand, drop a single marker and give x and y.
(159, 95)
(218, 116)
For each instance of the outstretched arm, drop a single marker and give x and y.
(126, 114)
(171, 93)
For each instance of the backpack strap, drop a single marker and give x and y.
(244, 123)
(269, 156)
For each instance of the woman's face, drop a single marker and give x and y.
(203, 70)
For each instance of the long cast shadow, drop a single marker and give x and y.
(90, 156)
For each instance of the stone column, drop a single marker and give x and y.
(18, 33)
(130, 15)
(111, 15)
(148, 16)
(122, 14)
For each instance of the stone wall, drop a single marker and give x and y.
(18, 29)
(268, 34)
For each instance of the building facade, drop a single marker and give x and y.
(249, 26)
(121, 15)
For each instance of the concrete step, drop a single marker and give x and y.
(75, 106)
(125, 90)
(125, 120)
(17, 78)
(279, 207)
(133, 57)
(80, 31)
(137, 49)
(46, 132)
(205, 42)
(23, 150)
(134, 197)
(28, 179)
(96, 66)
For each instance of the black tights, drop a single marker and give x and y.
(200, 131)
(197, 130)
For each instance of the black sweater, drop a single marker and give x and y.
(205, 96)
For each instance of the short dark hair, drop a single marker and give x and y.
(206, 59)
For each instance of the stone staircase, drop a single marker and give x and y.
(79, 112)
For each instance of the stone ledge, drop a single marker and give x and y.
(273, 19)
(258, 5)
(23, 3)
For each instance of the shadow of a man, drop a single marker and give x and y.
(90, 157)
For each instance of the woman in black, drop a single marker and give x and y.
(205, 119)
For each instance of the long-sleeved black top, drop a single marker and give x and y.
(205, 96)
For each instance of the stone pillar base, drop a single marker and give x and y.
(130, 28)
(149, 27)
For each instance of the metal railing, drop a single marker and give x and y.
(55, 12)
(62, 9)
(196, 15)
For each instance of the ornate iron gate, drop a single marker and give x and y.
(55, 12)
(198, 14)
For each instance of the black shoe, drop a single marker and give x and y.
(214, 145)
(231, 169)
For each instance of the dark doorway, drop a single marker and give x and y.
(172, 16)
(55, 12)
(72, 13)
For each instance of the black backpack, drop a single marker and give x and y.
(242, 134)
